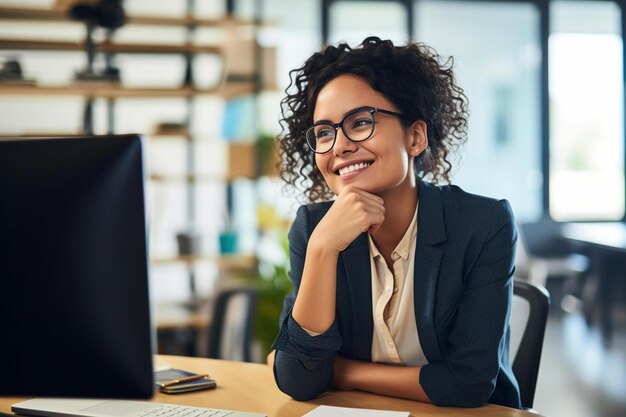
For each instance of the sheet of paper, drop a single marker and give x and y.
(163, 366)
(328, 411)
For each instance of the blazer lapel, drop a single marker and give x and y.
(430, 233)
(356, 263)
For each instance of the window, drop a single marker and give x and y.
(586, 111)
(353, 21)
(497, 57)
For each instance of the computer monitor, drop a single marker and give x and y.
(74, 307)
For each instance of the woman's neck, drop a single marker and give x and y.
(400, 206)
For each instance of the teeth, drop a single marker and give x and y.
(354, 167)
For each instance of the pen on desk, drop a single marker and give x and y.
(185, 379)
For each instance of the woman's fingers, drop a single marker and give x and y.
(354, 211)
(366, 195)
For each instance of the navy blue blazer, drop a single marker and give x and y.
(464, 263)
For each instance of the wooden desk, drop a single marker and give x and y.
(251, 387)
(606, 244)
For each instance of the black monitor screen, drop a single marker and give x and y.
(74, 308)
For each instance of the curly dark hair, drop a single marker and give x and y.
(413, 77)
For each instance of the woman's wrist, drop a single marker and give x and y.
(342, 373)
(319, 249)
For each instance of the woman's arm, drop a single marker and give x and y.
(303, 364)
(314, 308)
(395, 381)
(354, 212)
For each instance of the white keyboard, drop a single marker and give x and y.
(166, 410)
(63, 407)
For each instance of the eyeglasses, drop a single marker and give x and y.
(357, 126)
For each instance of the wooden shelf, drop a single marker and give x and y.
(225, 261)
(183, 134)
(187, 178)
(108, 90)
(126, 48)
(174, 316)
(181, 178)
(50, 15)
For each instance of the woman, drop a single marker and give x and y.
(400, 287)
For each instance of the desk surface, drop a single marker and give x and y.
(251, 387)
(611, 235)
(607, 244)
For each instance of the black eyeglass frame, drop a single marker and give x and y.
(339, 125)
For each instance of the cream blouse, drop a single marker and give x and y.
(395, 339)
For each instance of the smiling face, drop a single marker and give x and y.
(380, 164)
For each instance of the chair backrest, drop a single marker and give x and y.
(544, 239)
(529, 314)
(231, 333)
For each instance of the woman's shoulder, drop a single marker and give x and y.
(312, 213)
(456, 193)
(458, 203)
(322, 206)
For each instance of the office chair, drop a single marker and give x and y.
(544, 252)
(529, 314)
(231, 334)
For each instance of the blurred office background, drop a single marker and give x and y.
(202, 80)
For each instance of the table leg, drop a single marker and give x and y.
(609, 267)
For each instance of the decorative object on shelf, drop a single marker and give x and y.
(228, 242)
(110, 15)
(242, 160)
(189, 243)
(253, 159)
(11, 72)
(239, 119)
(172, 129)
(267, 156)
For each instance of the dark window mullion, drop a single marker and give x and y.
(544, 35)
(621, 4)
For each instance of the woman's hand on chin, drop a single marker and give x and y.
(354, 211)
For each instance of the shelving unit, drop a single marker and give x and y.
(235, 82)
(107, 90)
